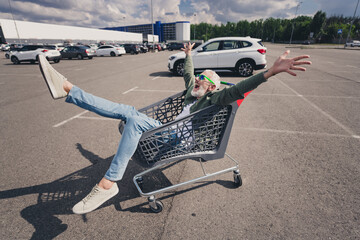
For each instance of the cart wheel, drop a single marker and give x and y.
(237, 180)
(159, 206)
(140, 182)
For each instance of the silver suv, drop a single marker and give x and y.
(30, 53)
(238, 54)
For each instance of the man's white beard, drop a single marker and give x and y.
(199, 93)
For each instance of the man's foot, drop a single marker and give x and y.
(94, 199)
(53, 79)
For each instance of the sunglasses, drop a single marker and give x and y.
(202, 78)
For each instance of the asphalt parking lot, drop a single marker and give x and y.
(297, 140)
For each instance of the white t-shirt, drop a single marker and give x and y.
(184, 113)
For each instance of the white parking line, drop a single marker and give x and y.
(346, 129)
(149, 90)
(298, 132)
(352, 66)
(314, 96)
(155, 78)
(68, 120)
(99, 118)
(18, 74)
(130, 90)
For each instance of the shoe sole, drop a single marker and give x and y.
(98, 205)
(50, 85)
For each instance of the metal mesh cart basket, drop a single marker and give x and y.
(202, 135)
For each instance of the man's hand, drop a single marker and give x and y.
(187, 48)
(283, 64)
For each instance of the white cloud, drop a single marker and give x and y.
(111, 13)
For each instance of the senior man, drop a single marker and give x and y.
(202, 91)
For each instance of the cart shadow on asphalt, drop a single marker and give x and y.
(58, 197)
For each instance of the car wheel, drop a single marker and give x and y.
(90, 57)
(79, 56)
(7, 55)
(112, 54)
(245, 68)
(132, 52)
(179, 68)
(56, 60)
(15, 60)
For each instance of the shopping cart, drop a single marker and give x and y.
(202, 135)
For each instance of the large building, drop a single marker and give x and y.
(169, 32)
(31, 32)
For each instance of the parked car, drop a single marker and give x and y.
(354, 43)
(31, 52)
(143, 48)
(175, 46)
(110, 50)
(93, 46)
(156, 47)
(13, 48)
(238, 54)
(163, 46)
(132, 48)
(79, 52)
(5, 47)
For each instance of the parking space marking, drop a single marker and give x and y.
(352, 66)
(298, 132)
(314, 96)
(155, 78)
(68, 120)
(19, 74)
(346, 129)
(155, 90)
(99, 118)
(130, 90)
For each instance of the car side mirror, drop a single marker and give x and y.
(200, 50)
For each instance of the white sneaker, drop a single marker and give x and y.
(94, 199)
(53, 79)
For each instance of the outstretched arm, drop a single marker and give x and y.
(283, 64)
(189, 77)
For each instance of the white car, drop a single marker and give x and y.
(239, 54)
(30, 53)
(354, 43)
(5, 47)
(110, 50)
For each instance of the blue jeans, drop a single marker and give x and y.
(136, 124)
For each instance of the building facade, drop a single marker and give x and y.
(169, 32)
(31, 32)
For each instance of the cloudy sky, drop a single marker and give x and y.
(111, 13)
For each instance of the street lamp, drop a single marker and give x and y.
(152, 26)
(17, 32)
(292, 31)
(194, 26)
(347, 38)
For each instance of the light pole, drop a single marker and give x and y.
(347, 38)
(292, 31)
(17, 32)
(152, 26)
(194, 26)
